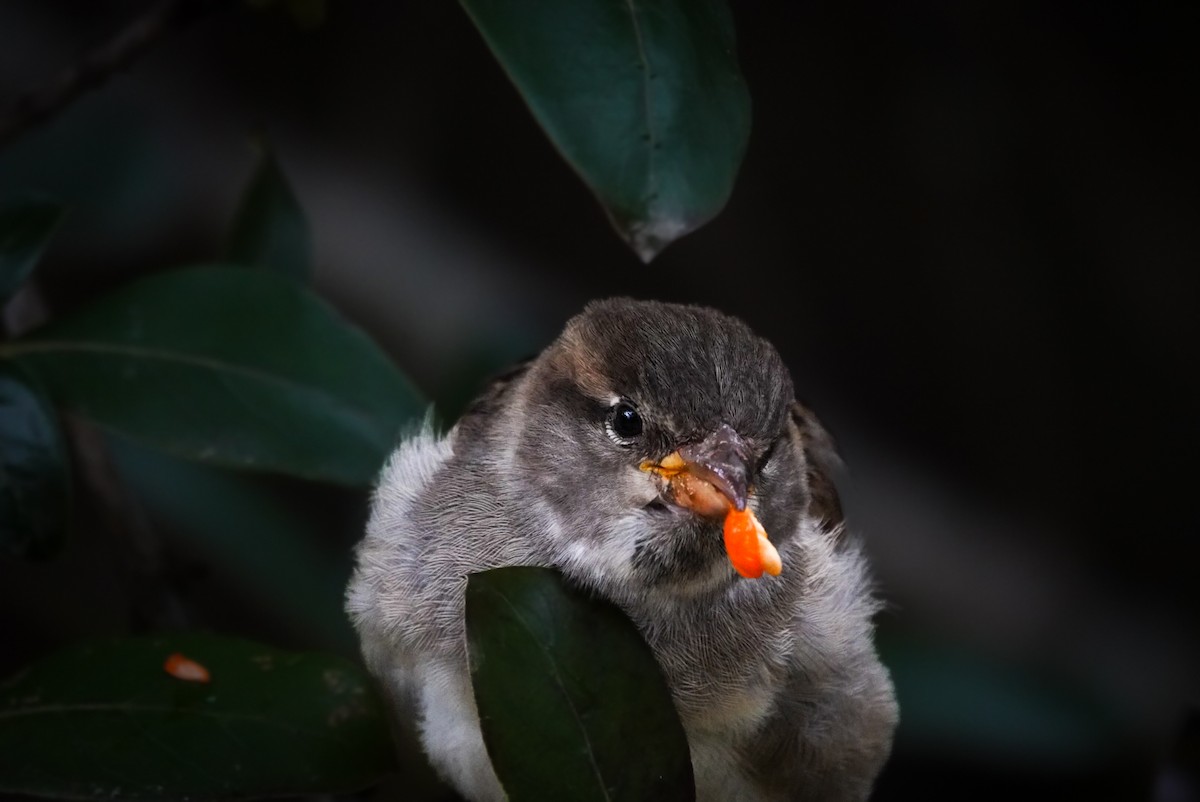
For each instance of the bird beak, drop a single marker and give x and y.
(710, 476)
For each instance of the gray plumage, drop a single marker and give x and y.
(776, 679)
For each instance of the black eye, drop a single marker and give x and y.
(624, 423)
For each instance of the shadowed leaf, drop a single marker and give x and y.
(234, 367)
(269, 546)
(644, 100)
(34, 470)
(106, 721)
(25, 228)
(270, 229)
(571, 700)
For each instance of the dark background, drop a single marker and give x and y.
(972, 230)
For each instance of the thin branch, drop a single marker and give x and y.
(96, 67)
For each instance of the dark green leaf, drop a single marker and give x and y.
(268, 548)
(644, 100)
(34, 473)
(105, 721)
(270, 229)
(571, 700)
(234, 367)
(25, 228)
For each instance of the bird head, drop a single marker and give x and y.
(642, 425)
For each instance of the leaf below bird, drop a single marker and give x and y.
(572, 702)
(34, 472)
(25, 228)
(231, 367)
(644, 100)
(106, 720)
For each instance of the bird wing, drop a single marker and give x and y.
(822, 461)
(493, 395)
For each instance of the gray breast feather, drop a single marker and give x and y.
(776, 680)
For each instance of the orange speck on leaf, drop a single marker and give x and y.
(185, 668)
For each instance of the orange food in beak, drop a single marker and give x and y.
(687, 489)
(746, 543)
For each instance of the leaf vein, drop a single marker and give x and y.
(647, 103)
(191, 360)
(558, 680)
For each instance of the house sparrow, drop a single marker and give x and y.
(614, 456)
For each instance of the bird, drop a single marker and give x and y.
(613, 456)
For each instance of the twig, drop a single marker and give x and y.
(135, 39)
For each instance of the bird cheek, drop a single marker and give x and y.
(641, 489)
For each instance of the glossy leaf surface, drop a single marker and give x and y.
(572, 702)
(234, 367)
(644, 100)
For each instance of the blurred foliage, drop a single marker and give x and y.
(25, 228)
(270, 229)
(279, 557)
(241, 365)
(197, 374)
(228, 366)
(957, 702)
(34, 481)
(116, 719)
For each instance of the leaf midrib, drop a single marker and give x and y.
(68, 347)
(647, 105)
(558, 681)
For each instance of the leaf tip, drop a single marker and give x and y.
(648, 238)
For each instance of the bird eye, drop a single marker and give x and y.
(624, 424)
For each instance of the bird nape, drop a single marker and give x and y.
(654, 454)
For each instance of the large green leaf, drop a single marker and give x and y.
(234, 367)
(572, 702)
(270, 229)
(25, 228)
(273, 547)
(34, 473)
(645, 100)
(106, 721)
